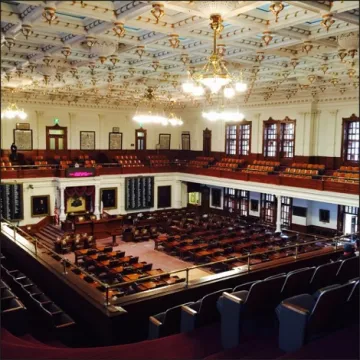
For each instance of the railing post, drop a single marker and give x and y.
(296, 252)
(64, 266)
(336, 244)
(14, 233)
(107, 296)
(36, 247)
(248, 263)
(187, 277)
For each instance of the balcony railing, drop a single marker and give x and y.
(61, 267)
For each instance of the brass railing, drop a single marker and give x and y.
(187, 270)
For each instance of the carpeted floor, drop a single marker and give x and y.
(145, 251)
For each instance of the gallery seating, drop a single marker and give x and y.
(127, 161)
(158, 160)
(259, 169)
(201, 312)
(308, 166)
(200, 162)
(300, 173)
(344, 177)
(303, 316)
(275, 164)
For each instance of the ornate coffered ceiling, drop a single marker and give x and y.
(111, 52)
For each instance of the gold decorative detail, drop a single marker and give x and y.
(155, 65)
(324, 67)
(184, 58)
(294, 62)
(140, 51)
(307, 46)
(342, 90)
(102, 59)
(352, 52)
(322, 88)
(221, 49)
(73, 71)
(334, 81)
(267, 37)
(351, 73)
(342, 54)
(46, 79)
(66, 51)
(47, 60)
(119, 29)
(114, 59)
(157, 11)
(49, 14)
(9, 42)
(92, 66)
(327, 21)
(131, 71)
(276, 7)
(260, 56)
(311, 78)
(26, 30)
(174, 41)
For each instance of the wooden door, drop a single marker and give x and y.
(56, 138)
(207, 142)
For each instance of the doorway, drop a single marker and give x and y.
(207, 142)
(56, 138)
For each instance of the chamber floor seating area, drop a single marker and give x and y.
(26, 308)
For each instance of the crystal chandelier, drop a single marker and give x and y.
(214, 75)
(12, 111)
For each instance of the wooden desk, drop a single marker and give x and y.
(131, 277)
(117, 270)
(155, 272)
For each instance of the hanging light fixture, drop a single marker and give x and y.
(12, 112)
(228, 115)
(174, 120)
(214, 75)
(276, 7)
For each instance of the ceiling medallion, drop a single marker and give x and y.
(276, 7)
(327, 21)
(267, 37)
(307, 47)
(49, 14)
(174, 41)
(140, 51)
(119, 29)
(157, 11)
(9, 42)
(66, 51)
(26, 30)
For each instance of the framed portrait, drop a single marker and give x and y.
(115, 141)
(109, 198)
(76, 204)
(254, 205)
(87, 140)
(324, 216)
(164, 141)
(185, 141)
(40, 205)
(23, 139)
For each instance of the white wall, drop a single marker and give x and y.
(101, 121)
(318, 127)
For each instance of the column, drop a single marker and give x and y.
(100, 145)
(335, 148)
(97, 202)
(278, 214)
(39, 117)
(72, 120)
(62, 203)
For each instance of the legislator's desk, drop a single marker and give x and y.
(155, 272)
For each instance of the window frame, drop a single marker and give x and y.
(346, 122)
(239, 139)
(286, 215)
(264, 201)
(279, 139)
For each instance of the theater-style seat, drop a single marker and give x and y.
(202, 312)
(253, 304)
(324, 275)
(166, 323)
(303, 316)
(349, 269)
(297, 282)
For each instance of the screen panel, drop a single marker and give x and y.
(139, 192)
(12, 207)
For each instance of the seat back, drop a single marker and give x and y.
(208, 311)
(348, 269)
(297, 282)
(172, 321)
(324, 275)
(264, 295)
(328, 304)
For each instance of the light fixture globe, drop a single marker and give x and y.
(240, 86)
(188, 87)
(227, 116)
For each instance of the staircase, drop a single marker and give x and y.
(48, 235)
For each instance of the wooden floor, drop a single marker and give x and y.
(145, 251)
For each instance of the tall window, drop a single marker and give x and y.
(140, 139)
(279, 139)
(351, 139)
(268, 208)
(237, 140)
(286, 204)
(237, 201)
